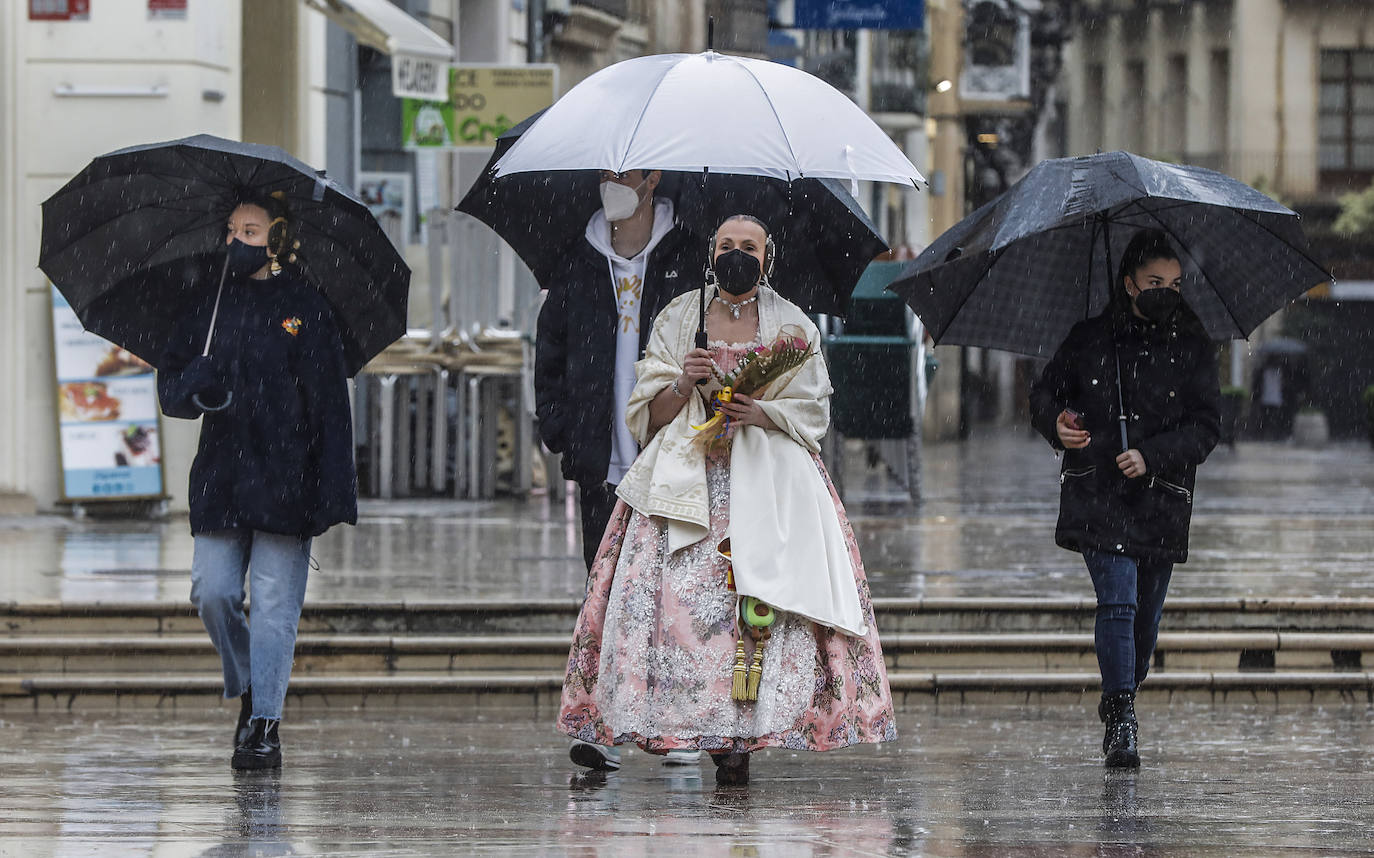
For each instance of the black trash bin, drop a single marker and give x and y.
(870, 370)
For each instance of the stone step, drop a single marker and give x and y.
(81, 692)
(557, 616)
(321, 654)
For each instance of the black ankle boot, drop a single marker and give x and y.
(732, 769)
(262, 748)
(1117, 711)
(245, 713)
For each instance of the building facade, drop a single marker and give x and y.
(81, 79)
(1278, 93)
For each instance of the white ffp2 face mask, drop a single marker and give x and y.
(618, 201)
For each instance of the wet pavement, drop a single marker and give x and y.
(976, 781)
(1271, 520)
(980, 780)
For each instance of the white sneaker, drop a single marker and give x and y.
(595, 757)
(681, 757)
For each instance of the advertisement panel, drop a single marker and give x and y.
(483, 102)
(108, 421)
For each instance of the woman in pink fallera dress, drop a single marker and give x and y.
(660, 646)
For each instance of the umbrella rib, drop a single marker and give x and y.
(996, 255)
(639, 120)
(774, 111)
(1305, 255)
(167, 241)
(203, 164)
(1220, 296)
(150, 206)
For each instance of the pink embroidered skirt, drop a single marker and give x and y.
(654, 648)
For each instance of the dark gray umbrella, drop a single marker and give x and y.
(1023, 269)
(136, 239)
(824, 240)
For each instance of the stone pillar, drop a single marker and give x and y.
(1156, 139)
(1197, 110)
(1256, 70)
(1113, 83)
(13, 370)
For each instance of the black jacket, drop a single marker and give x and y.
(574, 352)
(1172, 397)
(278, 456)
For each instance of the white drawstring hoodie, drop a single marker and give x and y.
(627, 284)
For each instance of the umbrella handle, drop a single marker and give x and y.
(224, 270)
(701, 330)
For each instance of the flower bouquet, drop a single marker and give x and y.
(756, 370)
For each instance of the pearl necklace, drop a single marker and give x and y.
(735, 306)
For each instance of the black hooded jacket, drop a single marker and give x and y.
(574, 356)
(1172, 397)
(278, 455)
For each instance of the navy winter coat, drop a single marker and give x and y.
(574, 354)
(1172, 396)
(278, 456)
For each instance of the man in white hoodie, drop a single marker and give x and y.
(631, 261)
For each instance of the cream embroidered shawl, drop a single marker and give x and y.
(787, 545)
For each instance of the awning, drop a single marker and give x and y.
(420, 55)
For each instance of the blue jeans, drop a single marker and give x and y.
(1130, 600)
(256, 650)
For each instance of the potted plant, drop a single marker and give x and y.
(1232, 402)
(1368, 398)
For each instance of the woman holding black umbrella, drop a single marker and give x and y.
(1132, 450)
(264, 365)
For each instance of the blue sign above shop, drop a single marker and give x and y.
(860, 14)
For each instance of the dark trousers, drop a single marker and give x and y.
(1130, 601)
(598, 502)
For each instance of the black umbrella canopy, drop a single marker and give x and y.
(137, 236)
(824, 239)
(1023, 269)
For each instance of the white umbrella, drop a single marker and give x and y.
(713, 111)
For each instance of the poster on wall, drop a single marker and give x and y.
(59, 10)
(108, 420)
(387, 196)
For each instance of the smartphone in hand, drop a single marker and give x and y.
(1073, 419)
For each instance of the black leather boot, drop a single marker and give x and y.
(262, 748)
(245, 713)
(1119, 745)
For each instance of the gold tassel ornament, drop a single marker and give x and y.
(739, 687)
(756, 669)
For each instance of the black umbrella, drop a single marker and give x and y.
(824, 240)
(136, 240)
(1020, 271)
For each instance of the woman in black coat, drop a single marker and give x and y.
(1128, 511)
(275, 463)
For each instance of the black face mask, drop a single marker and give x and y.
(737, 271)
(244, 259)
(1157, 305)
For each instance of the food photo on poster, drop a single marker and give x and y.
(107, 415)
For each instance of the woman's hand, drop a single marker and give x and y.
(696, 366)
(1071, 438)
(745, 410)
(1131, 463)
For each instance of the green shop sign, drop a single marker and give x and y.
(483, 102)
